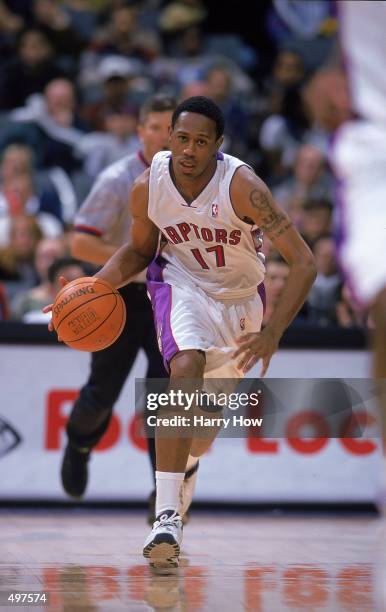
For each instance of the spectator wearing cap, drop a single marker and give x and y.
(115, 74)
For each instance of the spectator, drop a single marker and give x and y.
(69, 268)
(311, 180)
(287, 74)
(329, 116)
(115, 74)
(17, 268)
(283, 132)
(47, 251)
(348, 312)
(30, 71)
(277, 271)
(20, 192)
(325, 292)
(314, 219)
(52, 126)
(219, 87)
(56, 23)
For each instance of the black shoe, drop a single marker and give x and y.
(74, 471)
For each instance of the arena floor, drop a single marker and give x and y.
(91, 560)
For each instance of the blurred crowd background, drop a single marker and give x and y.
(73, 75)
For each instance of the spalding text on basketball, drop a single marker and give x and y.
(82, 291)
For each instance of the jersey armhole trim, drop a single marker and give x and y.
(87, 229)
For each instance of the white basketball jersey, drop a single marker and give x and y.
(204, 242)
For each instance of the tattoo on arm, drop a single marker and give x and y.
(274, 222)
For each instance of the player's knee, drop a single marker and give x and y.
(187, 364)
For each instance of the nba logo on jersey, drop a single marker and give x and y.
(214, 210)
(242, 323)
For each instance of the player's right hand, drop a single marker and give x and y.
(62, 282)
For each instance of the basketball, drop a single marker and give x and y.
(88, 314)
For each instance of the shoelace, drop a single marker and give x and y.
(168, 521)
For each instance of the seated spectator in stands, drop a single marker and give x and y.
(121, 33)
(348, 312)
(219, 87)
(310, 180)
(52, 19)
(325, 292)
(282, 133)
(52, 126)
(331, 110)
(10, 25)
(287, 74)
(47, 251)
(314, 219)
(22, 191)
(277, 271)
(17, 269)
(30, 71)
(115, 74)
(69, 268)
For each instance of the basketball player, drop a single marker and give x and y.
(358, 156)
(101, 226)
(203, 281)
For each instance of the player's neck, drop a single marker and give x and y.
(191, 187)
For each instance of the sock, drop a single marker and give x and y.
(191, 462)
(168, 490)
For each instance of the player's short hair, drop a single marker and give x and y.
(158, 103)
(202, 106)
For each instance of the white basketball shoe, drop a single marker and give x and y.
(162, 546)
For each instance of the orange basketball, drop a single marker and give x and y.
(88, 314)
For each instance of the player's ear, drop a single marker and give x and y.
(219, 142)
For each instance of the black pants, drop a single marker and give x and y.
(91, 413)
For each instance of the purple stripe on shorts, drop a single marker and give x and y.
(261, 292)
(161, 300)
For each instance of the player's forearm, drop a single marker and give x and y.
(298, 284)
(123, 266)
(91, 248)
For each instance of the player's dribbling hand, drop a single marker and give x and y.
(62, 282)
(254, 346)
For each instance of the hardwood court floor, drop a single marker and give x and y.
(91, 561)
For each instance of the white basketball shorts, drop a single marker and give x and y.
(187, 318)
(358, 156)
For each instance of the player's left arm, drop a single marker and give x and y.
(252, 201)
